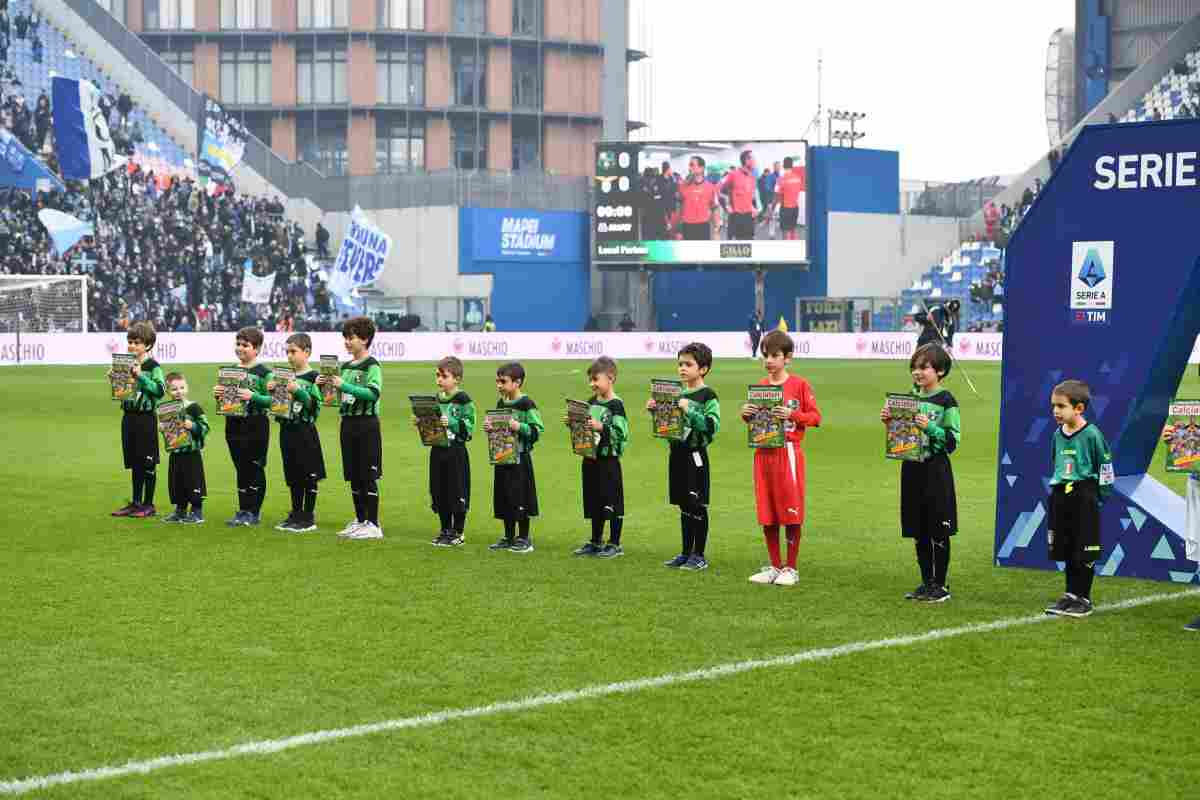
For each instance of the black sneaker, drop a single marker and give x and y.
(252, 518)
(304, 523)
(175, 517)
(455, 538)
(588, 549)
(502, 544)
(1081, 607)
(440, 539)
(919, 593)
(1061, 604)
(194, 518)
(677, 562)
(521, 546)
(695, 563)
(936, 594)
(237, 520)
(288, 524)
(611, 550)
(1193, 626)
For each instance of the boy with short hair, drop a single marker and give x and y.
(514, 491)
(361, 383)
(1082, 481)
(299, 440)
(185, 465)
(450, 464)
(688, 465)
(139, 424)
(603, 484)
(928, 503)
(249, 437)
(779, 484)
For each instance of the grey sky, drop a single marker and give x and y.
(956, 86)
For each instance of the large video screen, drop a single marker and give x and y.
(700, 202)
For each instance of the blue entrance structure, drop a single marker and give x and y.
(1103, 285)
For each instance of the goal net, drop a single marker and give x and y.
(43, 303)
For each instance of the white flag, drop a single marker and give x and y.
(256, 289)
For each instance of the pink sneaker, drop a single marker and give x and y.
(144, 511)
(125, 510)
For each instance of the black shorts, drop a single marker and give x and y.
(687, 480)
(696, 231)
(603, 488)
(362, 449)
(789, 218)
(741, 227)
(248, 439)
(185, 478)
(139, 439)
(303, 460)
(514, 490)
(928, 506)
(1073, 529)
(449, 479)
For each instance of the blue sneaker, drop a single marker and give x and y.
(676, 562)
(695, 563)
(521, 546)
(588, 549)
(611, 550)
(1193, 626)
(175, 517)
(237, 520)
(194, 518)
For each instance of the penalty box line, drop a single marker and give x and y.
(269, 746)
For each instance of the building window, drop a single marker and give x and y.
(169, 15)
(468, 64)
(402, 14)
(245, 14)
(399, 144)
(246, 77)
(323, 14)
(400, 75)
(114, 7)
(526, 78)
(526, 144)
(470, 16)
(527, 18)
(321, 76)
(182, 62)
(322, 142)
(468, 140)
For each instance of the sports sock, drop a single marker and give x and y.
(597, 530)
(771, 534)
(356, 494)
(793, 543)
(941, 560)
(924, 548)
(310, 498)
(139, 482)
(181, 508)
(700, 532)
(444, 520)
(510, 529)
(458, 521)
(685, 531)
(523, 529)
(1087, 573)
(297, 498)
(371, 502)
(197, 506)
(614, 530)
(148, 489)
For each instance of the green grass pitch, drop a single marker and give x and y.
(125, 640)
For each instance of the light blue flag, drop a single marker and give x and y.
(65, 231)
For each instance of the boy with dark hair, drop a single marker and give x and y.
(779, 484)
(185, 465)
(1082, 481)
(139, 424)
(299, 441)
(450, 464)
(361, 382)
(603, 484)
(249, 437)
(514, 491)
(688, 466)
(928, 504)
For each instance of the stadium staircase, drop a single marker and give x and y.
(950, 280)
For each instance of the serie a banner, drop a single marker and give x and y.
(361, 259)
(222, 141)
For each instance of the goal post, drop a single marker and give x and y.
(43, 304)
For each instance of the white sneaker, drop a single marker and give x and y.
(787, 577)
(368, 530)
(765, 575)
(351, 528)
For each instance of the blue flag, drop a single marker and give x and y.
(81, 138)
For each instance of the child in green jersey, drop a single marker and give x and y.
(1082, 481)
(514, 495)
(139, 425)
(185, 465)
(603, 483)
(928, 504)
(299, 441)
(249, 436)
(450, 464)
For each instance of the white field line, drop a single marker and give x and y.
(268, 746)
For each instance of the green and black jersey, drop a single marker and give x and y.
(460, 411)
(1082, 456)
(306, 402)
(199, 432)
(702, 420)
(945, 423)
(150, 388)
(362, 382)
(526, 413)
(614, 438)
(257, 378)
